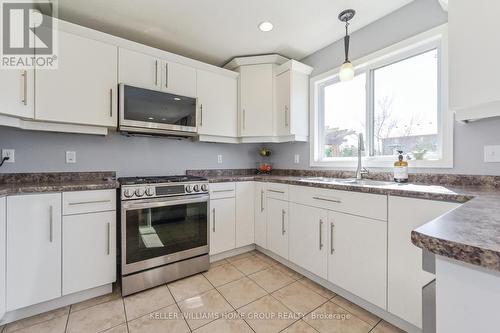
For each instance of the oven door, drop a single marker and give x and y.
(160, 231)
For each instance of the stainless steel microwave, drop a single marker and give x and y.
(146, 111)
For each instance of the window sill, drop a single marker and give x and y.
(351, 163)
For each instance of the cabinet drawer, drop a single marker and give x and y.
(362, 204)
(222, 190)
(277, 191)
(88, 201)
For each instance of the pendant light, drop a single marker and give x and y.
(346, 72)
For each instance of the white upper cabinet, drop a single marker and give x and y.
(17, 93)
(474, 71)
(83, 89)
(139, 69)
(178, 79)
(217, 104)
(256, 100)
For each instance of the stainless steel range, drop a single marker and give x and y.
(164, 230)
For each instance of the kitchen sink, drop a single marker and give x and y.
(349, 181)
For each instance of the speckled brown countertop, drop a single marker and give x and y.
(19, 183)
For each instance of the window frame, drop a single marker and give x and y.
(435, 38)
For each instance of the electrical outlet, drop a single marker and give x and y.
(10, 153)
(296, 159)
(492, 153)
(219, 159)
(71, 157)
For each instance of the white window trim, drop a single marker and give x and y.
(437, 36)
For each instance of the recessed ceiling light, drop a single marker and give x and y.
(266, 26)
(151, 118)
(177, 98)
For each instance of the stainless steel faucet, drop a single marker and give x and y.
(360, 171)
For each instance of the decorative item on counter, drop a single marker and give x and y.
(264, 166)
(400, 169)
(265, 152)
(419, 154)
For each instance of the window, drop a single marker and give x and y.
(395, 101)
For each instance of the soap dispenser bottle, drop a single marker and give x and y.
(400, 169)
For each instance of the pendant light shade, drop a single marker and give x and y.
(346, 72)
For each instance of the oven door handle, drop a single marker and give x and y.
(163, 202)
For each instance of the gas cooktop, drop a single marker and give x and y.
(159, 179)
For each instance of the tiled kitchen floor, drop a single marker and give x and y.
(246, 293)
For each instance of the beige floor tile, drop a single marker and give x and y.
(317, 288)
(168, 319)
(223, 274)
(266, 259)
(241, 292)
(204, 308)
(117, 329)
(385, 327)
(30, 321)
(116, 294)
(55, 325)
(97, 318)
(359, 312)
(290, 272)
(299, 298)
(241, 256)
(331, 318)
(267, 315)
(271, 279)
(300, 327)
(250, 265)
(189, 287)
(230, 324)
(218, 263)
(147, 301)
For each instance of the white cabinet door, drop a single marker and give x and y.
(83, 89)
(217, 104)
(282, 112)
(358, 256)
(260, 209)
(277, 232)
(178, 79)
(139, 69)
(3, 248)
(256, 100)
(405, 275)
(33, 249)
(89, 251)
(308, 235)
(17, 93)
(244, 213)
(222, 225)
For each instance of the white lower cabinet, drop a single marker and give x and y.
(244, 213)
(277, 227)
(260, 211)
(358, 256)
(89, 256)
(405, 275)
(33, 249)
(3, 228)
(222, 225)
(309, 239)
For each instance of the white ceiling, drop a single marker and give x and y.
(214, 31)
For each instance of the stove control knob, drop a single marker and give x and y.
(204, 187)
(196, 188)
(128, 193)
(139, 192)
(189, 188)
(150, 191)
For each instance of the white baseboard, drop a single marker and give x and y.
(233, 252)
(55, 303)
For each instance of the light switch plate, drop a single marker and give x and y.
(11, 153)
(71, 157)
(219, 159)
(492, 153)
(296, 159)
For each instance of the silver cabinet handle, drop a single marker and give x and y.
(213, 213)
(261, 200)
(332, 249)
(51, 223)
(286, 116)
(244, 119)
(156, 72)
(326, 199)
(166, 75)
(24, 100)
(201, 114)
(282, 221)
(111, 102)
(277, 191)
(88, 202)
(320, 234)
(108, 233)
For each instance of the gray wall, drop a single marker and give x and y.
(128, 156)
(417, 17)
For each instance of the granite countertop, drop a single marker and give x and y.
(21, 183)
